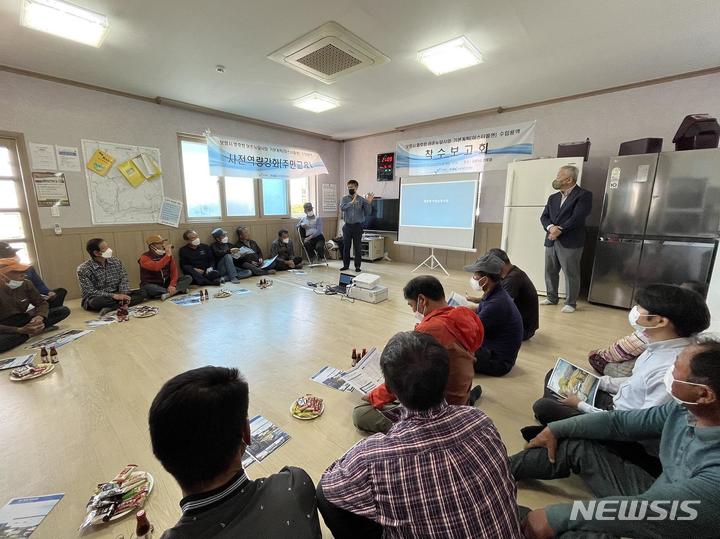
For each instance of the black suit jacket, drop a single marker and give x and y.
(570, 217)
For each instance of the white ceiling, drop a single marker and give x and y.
(533, 50)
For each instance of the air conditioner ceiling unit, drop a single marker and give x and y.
(329, 52)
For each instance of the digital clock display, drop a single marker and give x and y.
(385, 167)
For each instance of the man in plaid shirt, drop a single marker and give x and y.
(440, 471)
(103, 280)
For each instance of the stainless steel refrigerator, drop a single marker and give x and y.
(660, 223)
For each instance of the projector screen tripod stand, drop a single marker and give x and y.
(431, 262)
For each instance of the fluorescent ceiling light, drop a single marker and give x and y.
(316, 102)
(452, 55)
(65, 20)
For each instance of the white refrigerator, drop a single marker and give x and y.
(528, 186)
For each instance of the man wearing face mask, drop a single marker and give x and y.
(223, 252)
(311, 230)
(669, 317)
(17, 293)
(564, 221)
(354, 211)
(197, 261)
(159, 276)
(458, 329)
(103, 280)
(500, 318)
(681, 502)
(284, 249)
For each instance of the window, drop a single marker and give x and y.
(202, 191)
(14, 219)
(210, 198)
(299, 195)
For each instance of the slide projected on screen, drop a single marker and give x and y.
(438, 211)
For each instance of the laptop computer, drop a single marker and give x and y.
(345, 281)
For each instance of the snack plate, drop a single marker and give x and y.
(150, 481)
(223, 293)
(47, 368)
(292, 410)
(145, 312)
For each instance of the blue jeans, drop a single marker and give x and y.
(227, 269)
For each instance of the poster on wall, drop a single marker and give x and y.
(68, 158)
(42, 156)
(50, 189)
(479, 150)
(170, 212)
(113, 200)
(236, 157)
(329, 198)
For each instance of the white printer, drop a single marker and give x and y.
(365, 287)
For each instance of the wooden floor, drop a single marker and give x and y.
(81, 424)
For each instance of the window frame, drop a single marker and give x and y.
(257, 188)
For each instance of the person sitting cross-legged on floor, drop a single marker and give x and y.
(104, 281)
(54, 296)
(225, 254)
(159, 276)
(250, 254)
(284, 249)
(17, 293)
(197, 260)
(199, 431)
(500, 318)
(669, 317)
(458, 329)
(682, 502)
(440, 471)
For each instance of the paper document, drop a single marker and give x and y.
(188, 299)
(366, 375)
(19, 361)
(60, 339)
(266, 437)
(268, 262)
(21, 516)
(331, 377)
(457, 300)
(68, 158)
(170, 212)
(42, 156)
(567, 379)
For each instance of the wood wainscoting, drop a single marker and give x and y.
(60, 255)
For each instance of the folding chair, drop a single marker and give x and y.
(301, 234)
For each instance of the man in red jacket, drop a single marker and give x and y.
(458, 329)
(158, 272)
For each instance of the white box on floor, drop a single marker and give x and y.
(371, 295)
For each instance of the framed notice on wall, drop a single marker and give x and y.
(50, 189)
(385, 167)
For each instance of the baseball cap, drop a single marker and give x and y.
(487, 263)
(218, 233)
(154, 239)
(6, 251)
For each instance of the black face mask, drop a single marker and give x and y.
(351, 191)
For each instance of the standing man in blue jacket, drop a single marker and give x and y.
(354, 209)
(564, 221)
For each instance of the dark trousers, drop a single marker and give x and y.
(255, 269)
(153, 290)
(282, 265)
(98, 303)
(210, 277)
(549, 409)
(344, 524)
(315, 247)
(59, 298)
(352, 233)
(488, 362)
(9, 341)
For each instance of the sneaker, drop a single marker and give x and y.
(358, 270)
(222, 280)
(568, 309)
(164, 296)
(105, 310)
(475, 395)
(344, 268)
(235, 280)
(528, 433)
(547, 302)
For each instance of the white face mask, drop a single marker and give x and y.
(14, 284)
(159, 251)
(420, 316)
(310, 214)
(475, 284)
(633, 317)
(225, 239)
(669, 380)
(286, 240)
(107, 253)
(196, 242)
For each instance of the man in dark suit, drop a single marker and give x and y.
(564, 220)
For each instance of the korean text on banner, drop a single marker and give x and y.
(235, 157)
(479, 150)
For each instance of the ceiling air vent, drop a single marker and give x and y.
(328, 53)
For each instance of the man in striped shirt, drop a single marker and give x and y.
(440, 471)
